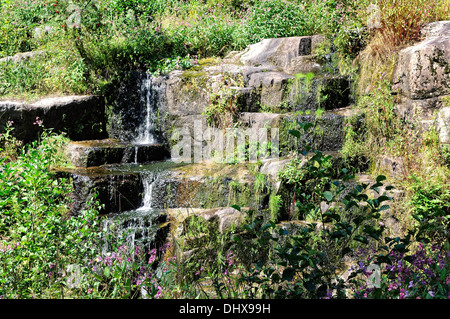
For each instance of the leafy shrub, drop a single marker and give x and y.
(33, 225)
(423, 274)
(276, 19)
(124, 272)
(45, 252)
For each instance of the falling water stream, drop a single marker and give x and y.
(139, 226)
(149, 98)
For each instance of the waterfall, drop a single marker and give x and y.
(149, 98)
(136, 149)
(139, 226)
(148, 180)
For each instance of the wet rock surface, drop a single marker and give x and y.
(114, 192)
(112, 151)
(273, 84)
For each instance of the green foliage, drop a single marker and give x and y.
(9, 145)
(274, 206)
(223, 107)
(306, 261)
(34, 227)
(120, 35)
(276, 19)
(58, 71)
(430, 203)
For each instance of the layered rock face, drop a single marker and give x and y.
(273, 84)
(270, 84)
(422, 77)
(422, 74)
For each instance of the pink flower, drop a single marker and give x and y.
(159, 293)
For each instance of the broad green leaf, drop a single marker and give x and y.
(106, 272)
(328, 196)
(294, 133)
(361, 239)
(237, 207)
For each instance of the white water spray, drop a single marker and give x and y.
(147, 127)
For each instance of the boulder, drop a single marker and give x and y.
(327, 133)
(225, 217)
(271, 87)
(286, 55)
(111, 151)
(80, 117)
(422, 73)
(116, 191)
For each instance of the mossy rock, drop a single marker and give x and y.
(314, 92)
(327, 133)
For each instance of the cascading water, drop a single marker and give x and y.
(148, 180)
(144, 225)
(137, 227)
(150, 99)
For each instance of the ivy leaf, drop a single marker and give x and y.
(333, 216)
(383, 198)
(307, 126)
(337, 234)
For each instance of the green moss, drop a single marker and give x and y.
(208, 62)
(193, 80)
